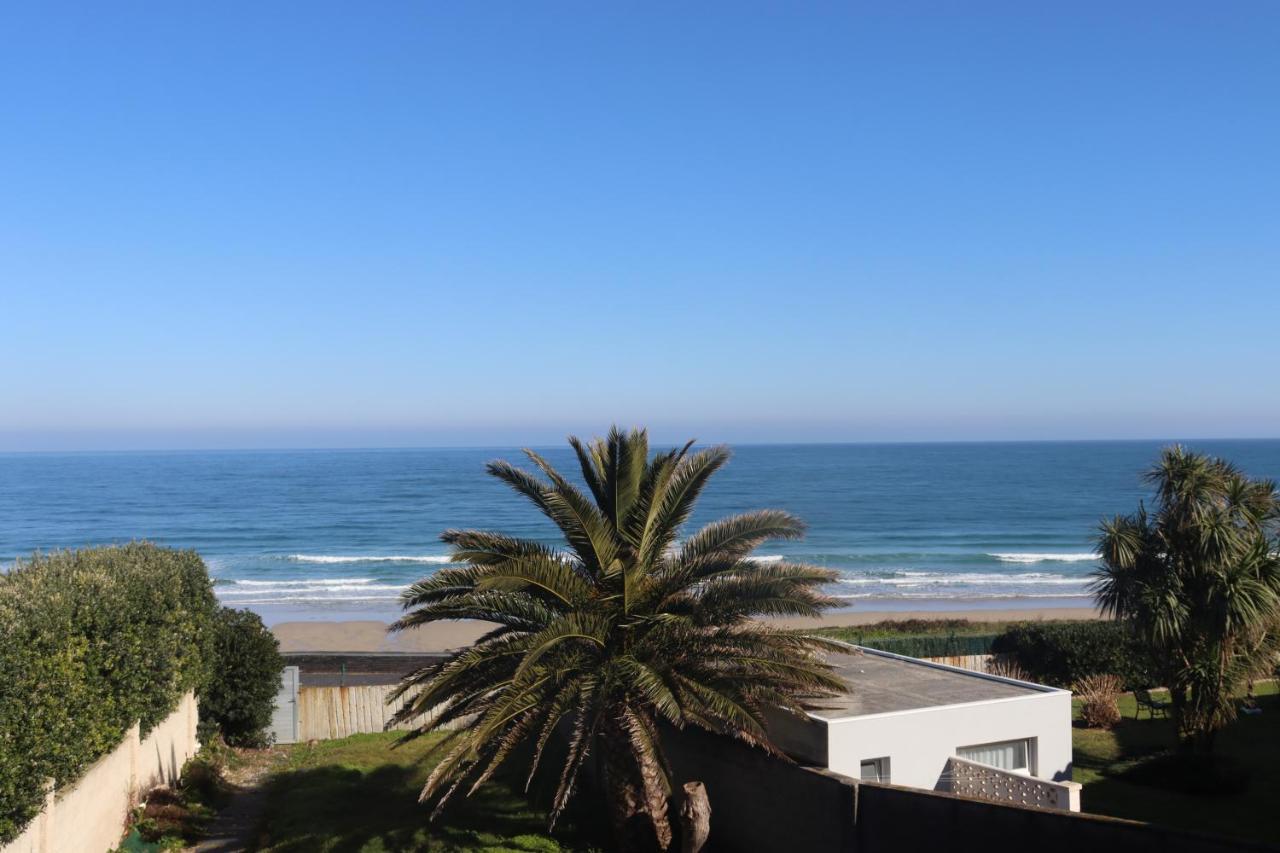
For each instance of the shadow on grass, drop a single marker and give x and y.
(342, 808)
(1136, 767)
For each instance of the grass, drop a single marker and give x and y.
(359, 794)
(1107, 761)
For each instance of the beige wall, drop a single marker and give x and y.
(89, 816)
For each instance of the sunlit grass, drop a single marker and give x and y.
(1251, 741)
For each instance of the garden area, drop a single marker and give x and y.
(1125, 772)
(361, 794)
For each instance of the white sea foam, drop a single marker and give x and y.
(328, 589)
(370, 558)
(242, 592)
(909, 579)
(862, 596)
(1045, 557)
(306, 581)
(768, 558)
(324, 598)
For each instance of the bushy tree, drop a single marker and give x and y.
(91, 642)
(626, 626)
(244, 679)
(1197, 579)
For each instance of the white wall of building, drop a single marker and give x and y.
(918, 743)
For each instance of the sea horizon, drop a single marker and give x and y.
(326, 533)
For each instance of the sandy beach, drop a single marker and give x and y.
(370, 635)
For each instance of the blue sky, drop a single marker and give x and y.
(326, 224)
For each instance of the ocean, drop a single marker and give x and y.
(329, 534)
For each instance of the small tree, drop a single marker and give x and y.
(1198, 581)
(243, 681)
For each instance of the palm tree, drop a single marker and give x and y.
(1198, 580)
(623, 629)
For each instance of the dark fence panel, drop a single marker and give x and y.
(760, 803)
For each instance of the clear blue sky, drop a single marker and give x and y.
(317, 224)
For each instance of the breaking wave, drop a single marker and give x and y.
(1046, 558)
(442, 559)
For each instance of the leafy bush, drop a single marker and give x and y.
(1007, 667)
(244, 679)
(91, 642)
(923, 638)
(932, 645)
(1099, 708)
(1063, 653)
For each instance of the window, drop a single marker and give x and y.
(1011, 755)
(875, 770)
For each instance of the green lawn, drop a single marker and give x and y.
(1254, 742)
(359, 794)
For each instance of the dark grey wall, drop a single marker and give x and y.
(761, 803)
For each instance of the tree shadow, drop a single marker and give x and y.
(340, 808)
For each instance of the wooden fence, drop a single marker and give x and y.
(977, 663)
(325, 713)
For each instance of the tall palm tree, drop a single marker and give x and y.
(625, 627)
(1198, 579)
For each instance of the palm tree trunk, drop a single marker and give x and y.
(632, 828)
(695, 818)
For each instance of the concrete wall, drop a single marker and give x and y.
(979, 781)
(761, 803)
(897, 819)
(920, 742)
(89, 816)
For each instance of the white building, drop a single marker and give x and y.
(926, 725)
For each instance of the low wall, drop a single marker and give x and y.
(978, 781)
(325, 713)
(763, 803)
(896, 819)
(89, 816)
(760, 803)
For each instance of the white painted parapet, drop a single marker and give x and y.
(982, 782)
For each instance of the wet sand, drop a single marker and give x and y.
(370, 635)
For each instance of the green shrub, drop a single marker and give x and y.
(244, 679)
(1064, 653)
(91, 642)
(933, 645)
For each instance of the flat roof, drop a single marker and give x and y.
(882, 683)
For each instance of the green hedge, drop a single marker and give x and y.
(91, 642)
(932, 645)
(244, 680)
(1061, 653)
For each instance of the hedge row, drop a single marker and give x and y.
(1062, 653)
(932, 645)
(91, 642)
